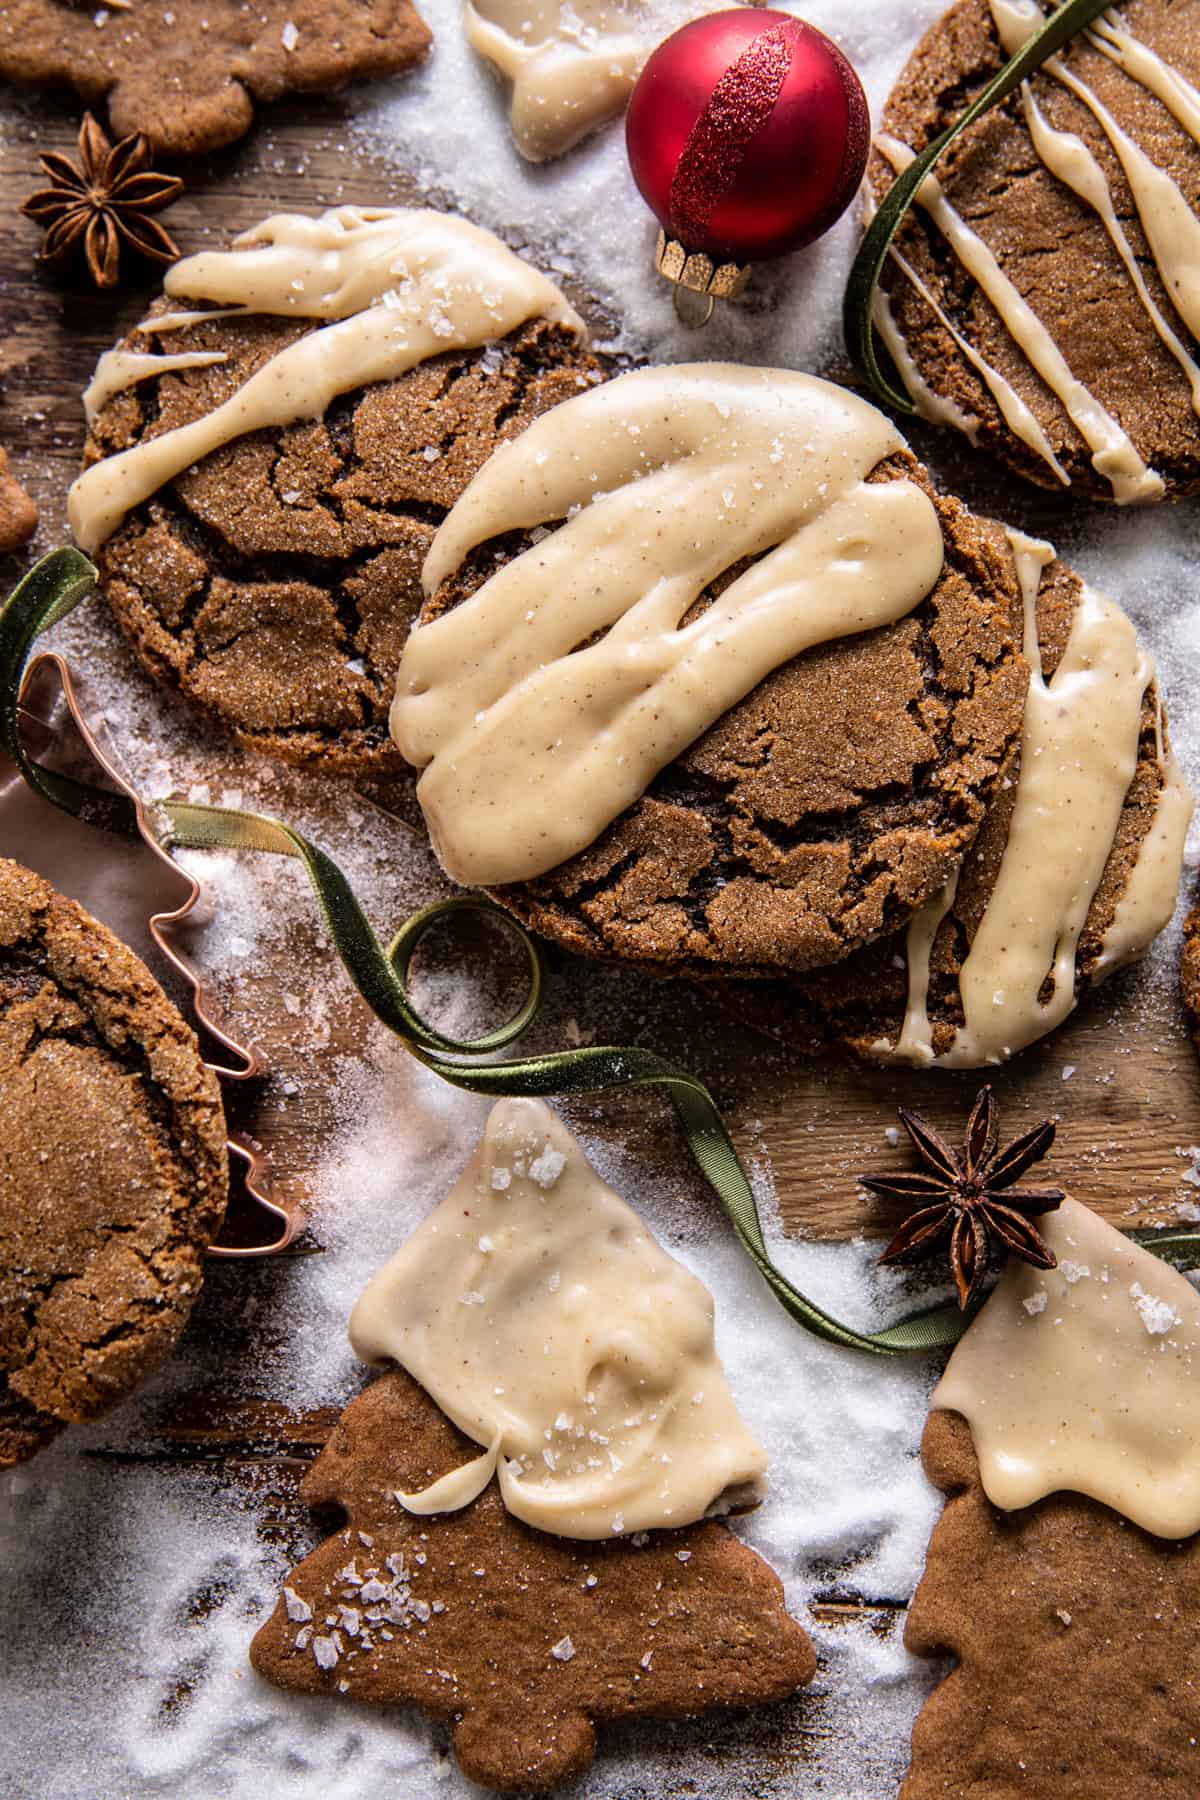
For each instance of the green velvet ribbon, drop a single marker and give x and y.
(859, 306)
(57, 585)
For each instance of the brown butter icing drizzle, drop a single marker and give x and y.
(394, 287)
(1082, 1379)
(572, 63)
(1171, 229)
(1114, 455)
(1079, 752)
(546, 1321)
(664, 479)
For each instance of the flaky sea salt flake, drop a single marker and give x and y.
(547, 1168)
(1158, 1316)
(298, 1610)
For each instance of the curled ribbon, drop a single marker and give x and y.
(57, 584)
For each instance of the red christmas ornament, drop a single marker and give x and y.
(748, 134)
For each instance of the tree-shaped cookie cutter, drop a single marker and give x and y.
(63, 728)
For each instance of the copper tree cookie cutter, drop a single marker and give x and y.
(150, 908)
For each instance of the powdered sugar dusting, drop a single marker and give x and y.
(582, 216)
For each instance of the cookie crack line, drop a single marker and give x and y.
(326, 575)
(258, 568)
(126, 1054)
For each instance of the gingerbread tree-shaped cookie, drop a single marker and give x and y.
(523, 1640)
(1064, 1574)
(188, 75)
(571, 1573)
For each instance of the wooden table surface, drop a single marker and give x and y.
(1128, 1110)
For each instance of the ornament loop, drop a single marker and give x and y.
(693, 310)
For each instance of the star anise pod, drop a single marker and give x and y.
(971, 1198)
(107, 200)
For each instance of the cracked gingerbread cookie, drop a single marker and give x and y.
(1093, 817)
(523, 1642)
(660, 714)
(188, 75)
(555, 1563)
(262, 549)
(113, 1168)
(1053, 257)
(1190, 970)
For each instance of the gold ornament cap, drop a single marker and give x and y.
(699, 274)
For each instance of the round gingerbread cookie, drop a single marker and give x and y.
(278, 488)
(829, 798)
(1044, 295)
(1190, 970)
(1094, 806)
(113, 1170)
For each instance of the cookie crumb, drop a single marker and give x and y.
(18, 514)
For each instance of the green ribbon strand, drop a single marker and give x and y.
(53, 588)
(858, 316)
(380, 974)
(381, 977)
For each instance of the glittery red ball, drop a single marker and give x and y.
(748, 134)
